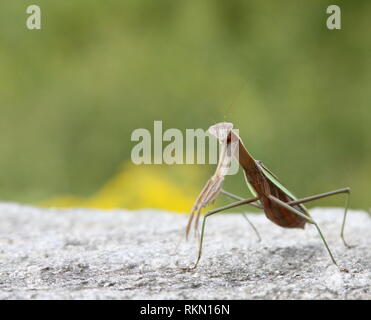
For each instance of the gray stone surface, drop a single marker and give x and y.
(91, 254)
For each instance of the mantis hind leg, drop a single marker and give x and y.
(311, 221)
(210, 213)
(328, 194)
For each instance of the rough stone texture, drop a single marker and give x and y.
(91, 254)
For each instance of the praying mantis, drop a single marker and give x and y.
(278, 203)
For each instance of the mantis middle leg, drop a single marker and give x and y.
(235, 197)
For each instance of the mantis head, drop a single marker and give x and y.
(221, 131)
(228, 138)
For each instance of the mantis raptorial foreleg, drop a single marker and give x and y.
(309, 219)
(328, 194)
(235, 197)
(210, 213)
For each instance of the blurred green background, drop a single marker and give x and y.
(72, 93)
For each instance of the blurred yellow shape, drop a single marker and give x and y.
(135, 187)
